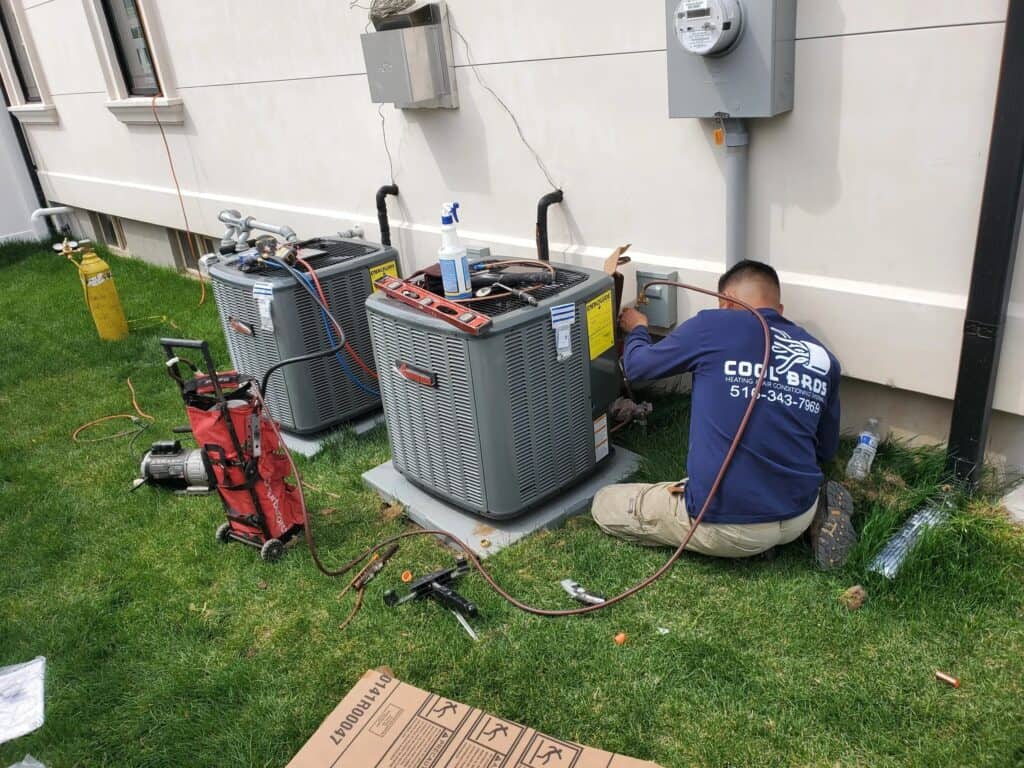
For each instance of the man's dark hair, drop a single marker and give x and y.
(747, 269)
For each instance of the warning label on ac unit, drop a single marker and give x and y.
(388, 268)
(600, 324)
(601, 437)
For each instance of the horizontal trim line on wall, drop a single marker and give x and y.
(542, 59)
(80, 93)
(875, 290)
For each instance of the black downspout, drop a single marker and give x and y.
(992, 274)
(382, 212)
(542, 222)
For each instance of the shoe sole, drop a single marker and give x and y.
(833, 535)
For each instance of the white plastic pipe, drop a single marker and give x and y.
(40, 213)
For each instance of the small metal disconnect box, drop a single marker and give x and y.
(409, 60)
(750, 76)
(661, 309)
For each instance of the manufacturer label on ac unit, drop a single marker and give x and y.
(263, 293)
(388, 268)
(600, 324)
(563, 317)
(601, 437)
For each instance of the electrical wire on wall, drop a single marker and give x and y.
(515, 120)
(181, 201)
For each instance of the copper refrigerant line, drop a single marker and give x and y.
(475, 562)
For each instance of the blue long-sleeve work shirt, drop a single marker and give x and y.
(775, 474)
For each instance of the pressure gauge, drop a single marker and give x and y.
(708, 27)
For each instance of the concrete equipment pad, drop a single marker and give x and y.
(483, 535)
(310, 445)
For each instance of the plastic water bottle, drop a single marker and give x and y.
(452, 256)
(864, 454)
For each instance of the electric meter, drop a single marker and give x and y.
(708, 27)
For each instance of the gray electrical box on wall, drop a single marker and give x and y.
(730, 58)
(409, 60)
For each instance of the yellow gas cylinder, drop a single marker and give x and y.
(100, 292)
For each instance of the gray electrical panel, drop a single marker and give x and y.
(730, 58)
(661, 307)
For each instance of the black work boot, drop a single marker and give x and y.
(832, 534)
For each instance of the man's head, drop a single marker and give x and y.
(753, 282)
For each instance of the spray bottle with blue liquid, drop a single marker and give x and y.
(452, 256)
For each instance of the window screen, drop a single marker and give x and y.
(132, 47)
(19, 55)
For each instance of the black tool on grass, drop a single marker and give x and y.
(436, 586)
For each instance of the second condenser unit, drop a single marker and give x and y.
(499, 422)
(267, 317)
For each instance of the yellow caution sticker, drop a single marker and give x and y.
(600, 324)
(388, 268)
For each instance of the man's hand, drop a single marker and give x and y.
(630, 318)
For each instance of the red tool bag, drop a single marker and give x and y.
(243, 454)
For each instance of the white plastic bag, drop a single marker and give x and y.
(28, 762)
(21, 698)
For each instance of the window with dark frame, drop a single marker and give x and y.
(183, 255)
(109, 230)
(19, 54)
(131, 45)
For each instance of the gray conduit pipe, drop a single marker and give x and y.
(737, 192)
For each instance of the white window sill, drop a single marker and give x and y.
(35, 114)
(138, 110)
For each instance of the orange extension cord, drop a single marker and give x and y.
(139, 414)
(181, 202)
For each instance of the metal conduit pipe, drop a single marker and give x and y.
(737, 175)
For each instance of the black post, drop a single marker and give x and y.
(994, 255)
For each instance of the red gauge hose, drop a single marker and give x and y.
(472, 558)
(323, 297)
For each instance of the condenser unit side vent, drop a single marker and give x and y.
(434, 429)
(551, 425)
(261, 350)
(333, 391)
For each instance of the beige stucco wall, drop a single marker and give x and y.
(865, 197)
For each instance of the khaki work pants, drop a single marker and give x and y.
(648, 514)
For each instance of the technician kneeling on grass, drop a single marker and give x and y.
(772, 492)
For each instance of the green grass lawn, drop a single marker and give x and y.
(165, 648)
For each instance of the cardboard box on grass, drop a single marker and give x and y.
(384, 723)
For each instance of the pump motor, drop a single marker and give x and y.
(167, 465)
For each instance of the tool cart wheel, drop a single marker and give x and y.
(271, 550)
(224, 533)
